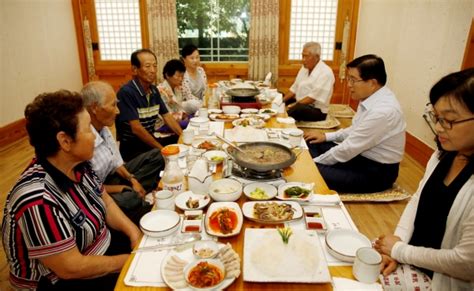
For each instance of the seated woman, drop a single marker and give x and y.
(436, 230)
(56, 220)
(172, 94)
(195, 79)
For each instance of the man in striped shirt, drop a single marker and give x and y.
(142, 110)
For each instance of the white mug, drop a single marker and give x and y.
(366, 268)
(203, 112)
(164, 199)
(188, 135)
(295, 137)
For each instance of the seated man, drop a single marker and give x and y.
(369, 153)
(127, 183)
(140, 107)
(312, 89)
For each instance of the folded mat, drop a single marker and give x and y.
(395, 193)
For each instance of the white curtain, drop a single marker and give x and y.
(163, 30)
(263, 41)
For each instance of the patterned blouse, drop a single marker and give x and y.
(195, 88)
(173, 99)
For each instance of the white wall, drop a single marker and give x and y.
(38, 53)
(420, 42)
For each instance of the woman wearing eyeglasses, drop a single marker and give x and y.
(436, 230)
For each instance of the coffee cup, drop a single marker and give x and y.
(366, 268)
(295, 137)
(164, 199)
(203, 112)
(188, 135)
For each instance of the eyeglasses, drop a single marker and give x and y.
(446, 124)
(352, 80)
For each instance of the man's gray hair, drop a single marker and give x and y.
(313, 47)
(94, 92)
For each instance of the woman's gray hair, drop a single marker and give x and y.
(313, 47)
(94, 92)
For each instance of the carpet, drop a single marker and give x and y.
(394, 194)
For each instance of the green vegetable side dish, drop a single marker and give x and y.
(217, 159)
(296, 192)
(258, 194)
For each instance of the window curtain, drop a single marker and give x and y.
(163, 30)
(263, 42)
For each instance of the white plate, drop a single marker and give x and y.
(247, 210)
(252, 122)
(268, 111)
(214, 111)
(198, 140)
(217, 205)
(224, 117)
(188, 256)
(343, 243)
(268, 259)
(210, 154)
(283, 187)
(269, 190)
(249, 110)
(159, 223)
(181, 199)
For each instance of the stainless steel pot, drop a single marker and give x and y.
(243, 92)
(236, 155)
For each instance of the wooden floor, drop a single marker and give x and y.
(15, 157)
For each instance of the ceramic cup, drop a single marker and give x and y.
(188, 135)
(366, 268)
(295, 137)
(203, 112)
(164, 199)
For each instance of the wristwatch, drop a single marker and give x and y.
(130, 177)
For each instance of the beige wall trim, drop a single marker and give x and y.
(12, 132)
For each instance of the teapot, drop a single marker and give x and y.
(199, 178)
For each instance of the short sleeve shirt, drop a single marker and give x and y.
(47, 213)
(318, 85)
(106, 157)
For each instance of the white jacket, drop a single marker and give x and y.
(453, 264)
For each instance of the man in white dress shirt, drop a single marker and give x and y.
(367, 155)
(313, 87)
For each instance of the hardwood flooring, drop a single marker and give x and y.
(15, 157)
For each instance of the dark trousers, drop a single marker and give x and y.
(120, 244)
(146, 168)
(130, 150)
(359, 175)
(306, 113)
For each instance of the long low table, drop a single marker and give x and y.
(304, 170)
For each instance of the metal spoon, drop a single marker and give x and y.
(229, 143)
(192, 238)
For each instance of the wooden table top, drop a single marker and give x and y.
(303, 170)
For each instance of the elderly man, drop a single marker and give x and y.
(312, 88)
(127, 183)
(142, 110)
(367, 156)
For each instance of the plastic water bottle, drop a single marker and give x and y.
(173, 177)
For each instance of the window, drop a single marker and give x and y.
(118, 26)
(219, 28)
(313, 21)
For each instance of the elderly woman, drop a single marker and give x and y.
(436, 230)
(56, 217)
(172, 94)
(195, 79)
